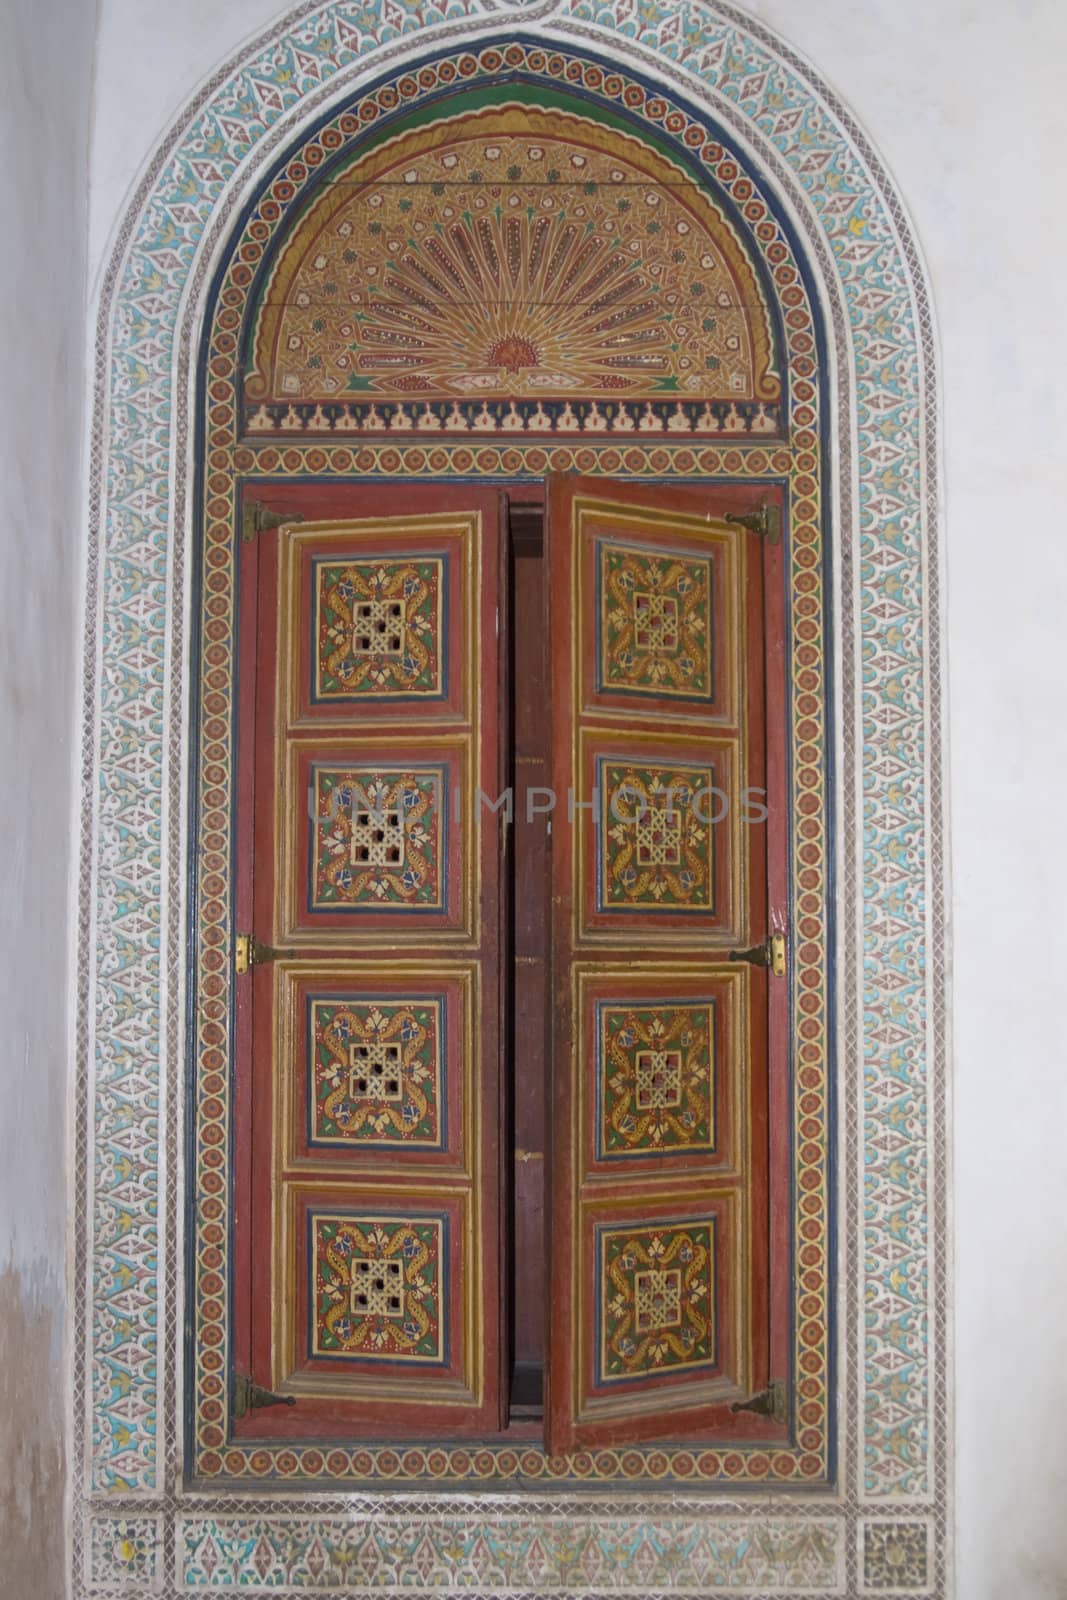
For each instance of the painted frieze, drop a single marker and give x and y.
(520, 270)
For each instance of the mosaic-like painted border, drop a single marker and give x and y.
(861, 244)
(215, 1453)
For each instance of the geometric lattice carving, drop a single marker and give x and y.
(658, 1080)
(379, 1287)
(656, 838)
(376, 1289)
(379, 628)
(657, 1077)
(658, 830)
(657, 1300)
(656, 1296)
(378, 837)
(655, 622)
(375, 1071)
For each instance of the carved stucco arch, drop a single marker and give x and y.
(886, 1517)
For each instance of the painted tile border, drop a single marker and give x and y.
(894, 1423)
(515, 1554)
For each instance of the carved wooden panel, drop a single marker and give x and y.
(660, 1182)
(369, 1049)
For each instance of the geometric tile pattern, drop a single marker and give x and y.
(655, 622)
(656, 1294)
(127, 1031)
(657, 1078)
(377, 838)
(378, 1072)
(656, 836)
(895, 1556)
(126, 1553)
(379, 1287)
(379, 629)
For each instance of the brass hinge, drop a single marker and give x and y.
(248, 952)
(771, 953)
(255, 518)
(248, 1396)
(770, 1402)
(767, 521)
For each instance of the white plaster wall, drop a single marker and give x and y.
(46, 55)
(964, 101)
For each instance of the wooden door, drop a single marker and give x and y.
(368, 1037)
(667, 854)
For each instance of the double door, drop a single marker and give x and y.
(510, 1038)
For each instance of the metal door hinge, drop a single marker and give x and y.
(770, 1402)
(767, 521)
(248, 1396)
(771, 953)
(248, 952)
(255, 518)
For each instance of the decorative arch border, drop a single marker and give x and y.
(885, 1529)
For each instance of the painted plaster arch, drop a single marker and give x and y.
(151, 310)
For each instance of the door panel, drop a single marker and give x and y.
(659, 843)
(661, 1054)
(371, 1040)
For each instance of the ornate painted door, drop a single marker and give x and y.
(368, 1047)
(667, 857)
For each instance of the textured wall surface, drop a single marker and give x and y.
(962, 102)
(45, 75)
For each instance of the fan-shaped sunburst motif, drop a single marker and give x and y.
(522, 257)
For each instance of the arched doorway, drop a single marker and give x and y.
(493, 268)
(141, 1262)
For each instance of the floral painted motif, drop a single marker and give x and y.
(657, 1078)
(379, 629)
(656, 836)
(633, 1553)
(377, 837)
(377, 1072)
(655, 623)
(378, 1287)
(656, 1299)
